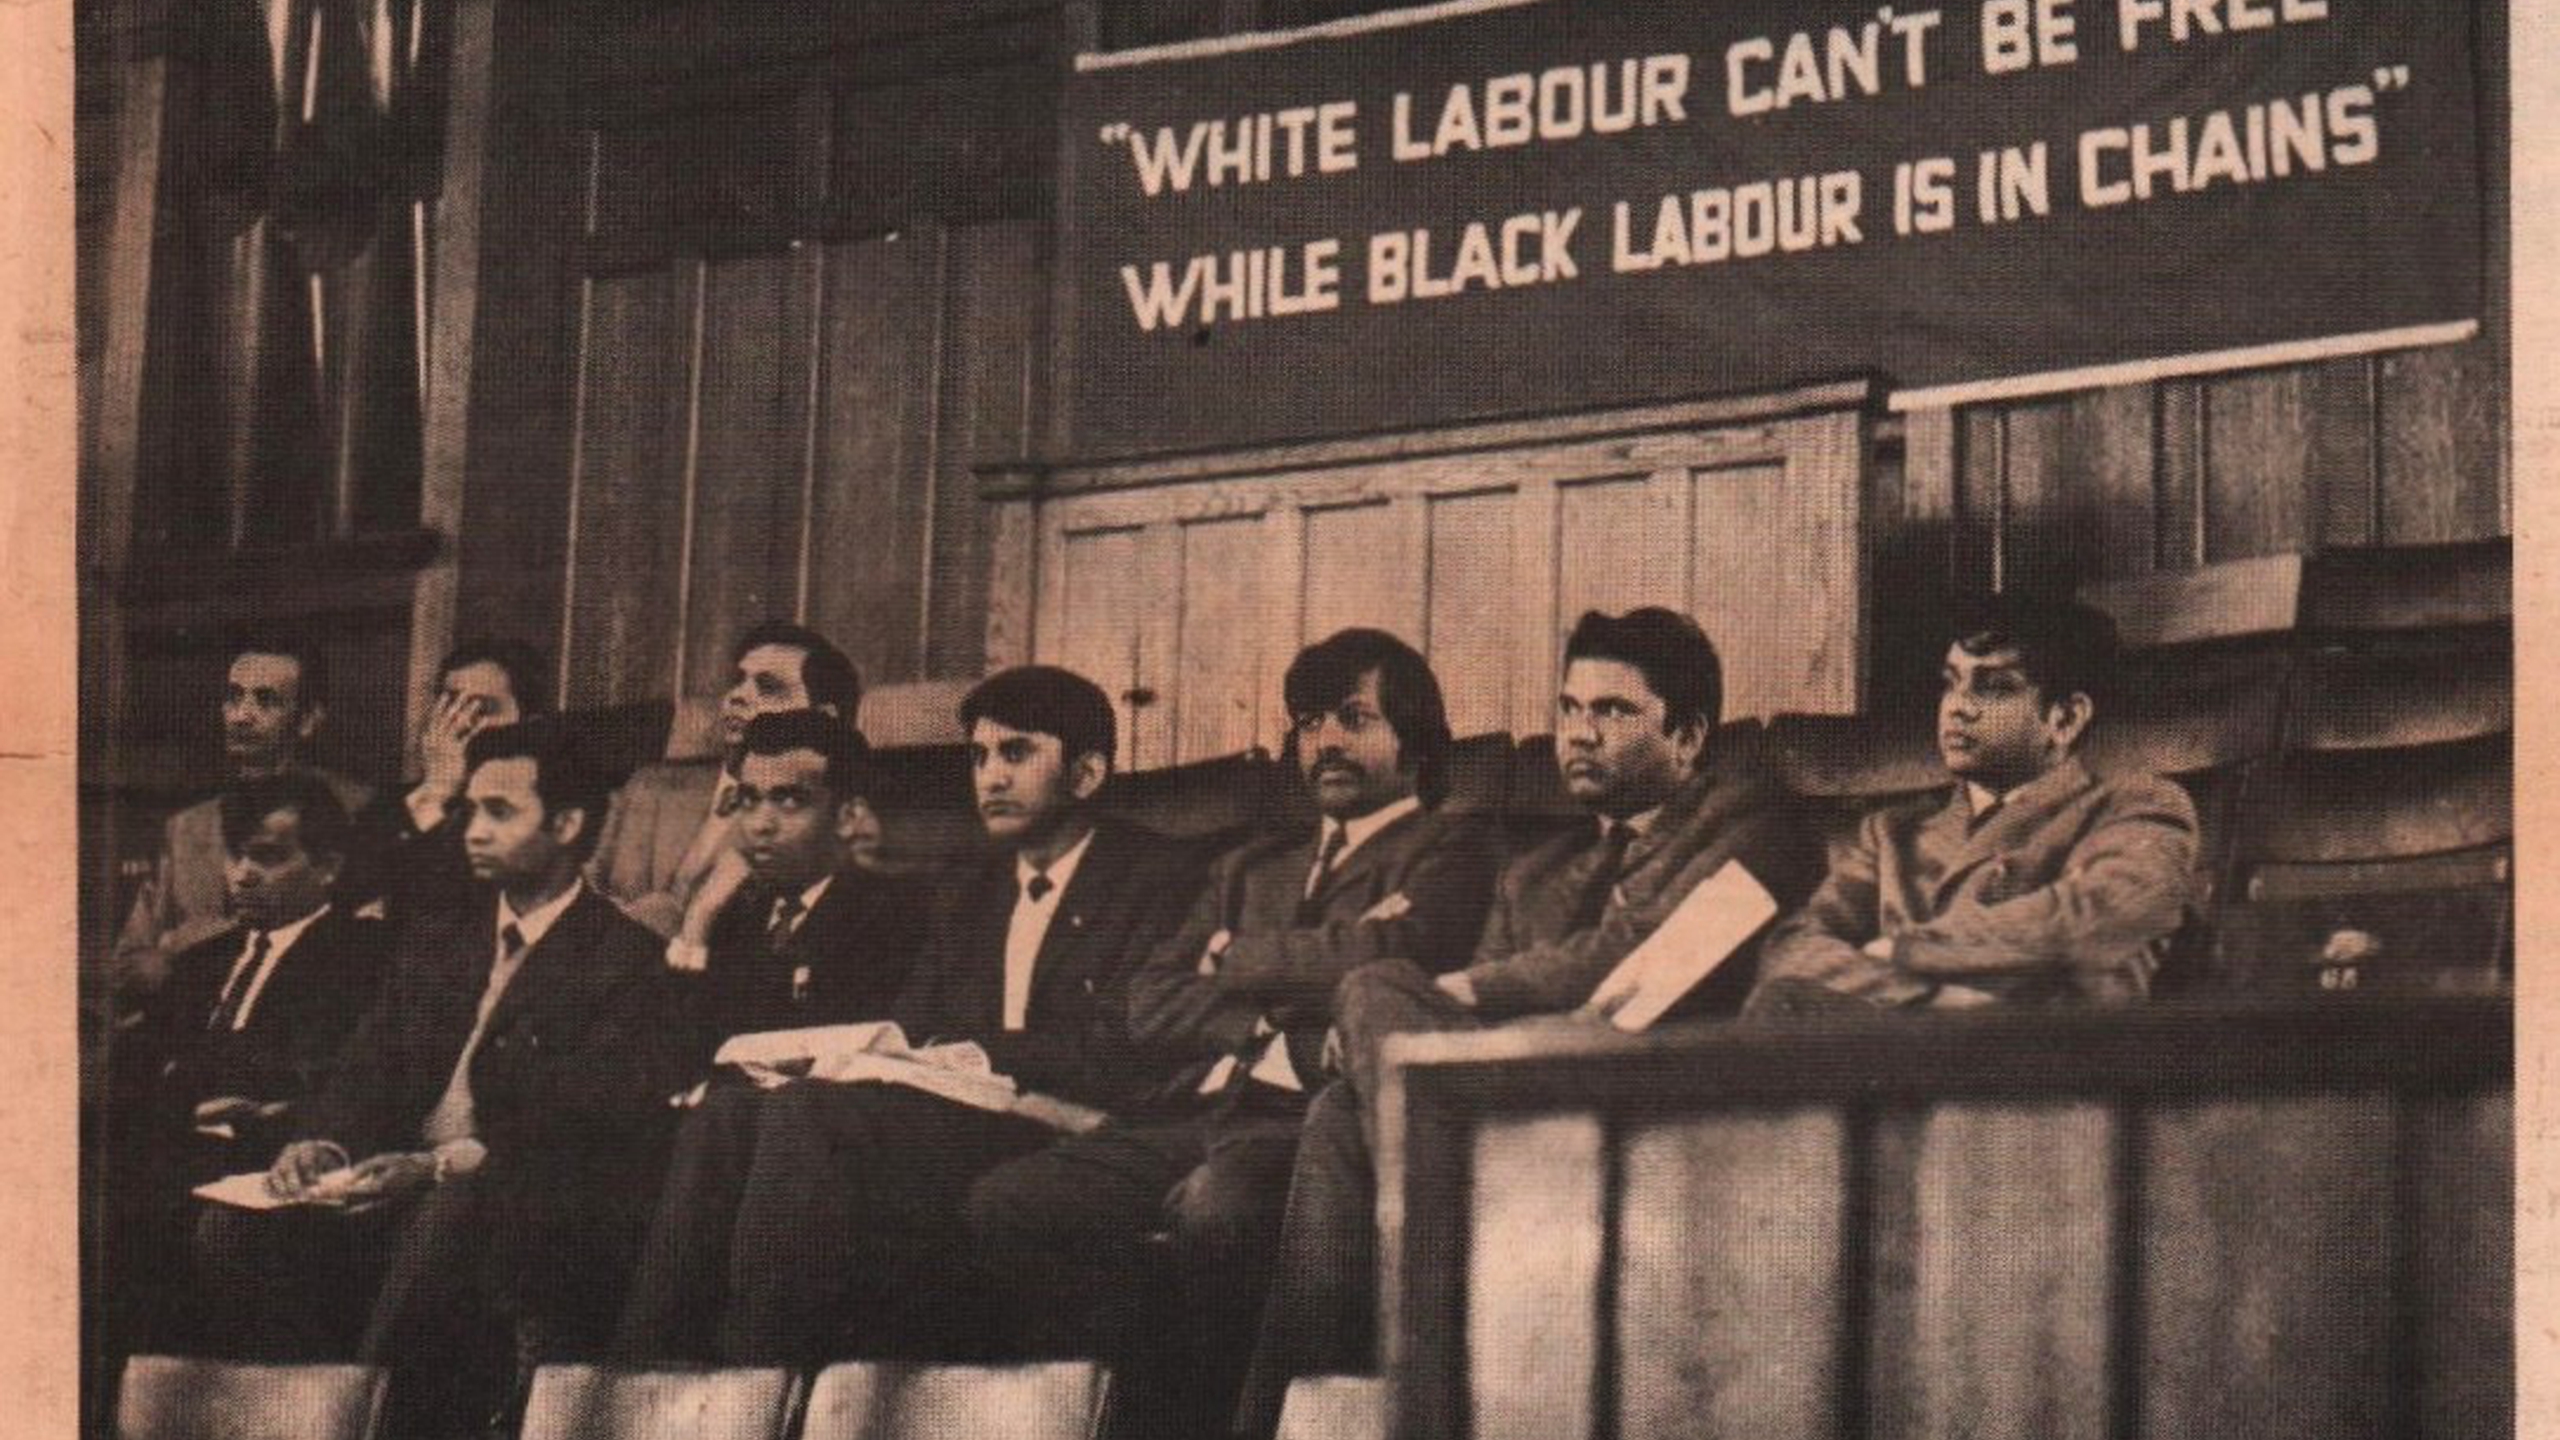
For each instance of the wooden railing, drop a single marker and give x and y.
(2174, 1222)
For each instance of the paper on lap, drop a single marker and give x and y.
(876, 1052)
(249, 1191)
(1726, 909)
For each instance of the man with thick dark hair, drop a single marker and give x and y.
(275, 699)
(410, 845)
(2035, 881)
(490, 1136)
(822, 1218)
(1241, 998)
(1635, 741)
(209, 1075)
(652, 862)
(796, 937)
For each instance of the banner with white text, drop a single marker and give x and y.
(1514, 210)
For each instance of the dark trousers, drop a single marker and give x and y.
(818, 1221)
(1084, 1229)
(411, 1285)
(1321, 1318)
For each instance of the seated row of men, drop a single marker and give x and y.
(525, 1147)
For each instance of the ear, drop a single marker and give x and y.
(568, 823)
(1690, 741)
(851, 812)
(307, 724)
(2069, 717)
(1086, 776)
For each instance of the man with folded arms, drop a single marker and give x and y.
(487, 1143)
(2034, 881)
(822, 1218)
(1635, 742)
(1242, 997)
(672, 826)
(248, 1027)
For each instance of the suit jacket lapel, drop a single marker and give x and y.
(1065, 952)
(1387, 844)
(2016, 821)
(543, 964)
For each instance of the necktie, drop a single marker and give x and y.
(786, 920)
(235, 991)
(1039, 886)
(1594, 900)
(452, 1117)
(1335, 841)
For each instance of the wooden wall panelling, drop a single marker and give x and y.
(1729, 1275)
(1151, 705)
(1537, 573)
(2184, 439)
(1013, 582)
(1618, 545)
(2443, 423)
(869, 516)
(1533, 1306)
(2241, 1333)
(1218, 699)
(2343, 456)
(2012, 1275)
(1786, 618)
(2258, 479)
(633, 446)
(994, 293)
(1468, 578)
(2460, 1159)
(1981, 506)
(750, 451)
(1283, 611)
(1089, 619)
(1363, 568)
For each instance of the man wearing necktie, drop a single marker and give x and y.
(2033, 881)
(1240, 998)
(1635, 744)
(248, 1027)
(821, 1219)
(472, 1174)
(795, 935)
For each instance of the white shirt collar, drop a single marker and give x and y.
(1641, 822)
(1357, 830)
(536, 923)
(1060, 871)
(816, 890)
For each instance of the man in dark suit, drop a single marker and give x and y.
(247, 1028)
(794, 936)
(486, 1146)
(410, 843)
(827, 1213)
(1635, 743)
(1241, 998)
(2033, 882)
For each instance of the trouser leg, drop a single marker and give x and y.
(1321, 1315)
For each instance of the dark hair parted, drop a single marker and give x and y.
(310, 666)
(835, 741)
(1674, 655)
(1047, 700)
(1325, 674)
(563, 776)
(318, 817)
(2064, 648)
(825, 673)
(526, 669)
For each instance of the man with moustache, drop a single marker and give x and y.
(671, 826)
(821, 1218)
(247, 1029)
(1635, 741)
(2034, 882)
(274, 702)
(1241, 998)
(795, 936)
(484, 1147)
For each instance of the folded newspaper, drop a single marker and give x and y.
(875, 1051)
(1711, 923)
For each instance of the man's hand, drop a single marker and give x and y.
(727, 877)
(302, 1163)
(1880, 948)
(386, 1178)
(1458, 986)
(1214, 951)
(442, 743)
(1394, 907)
